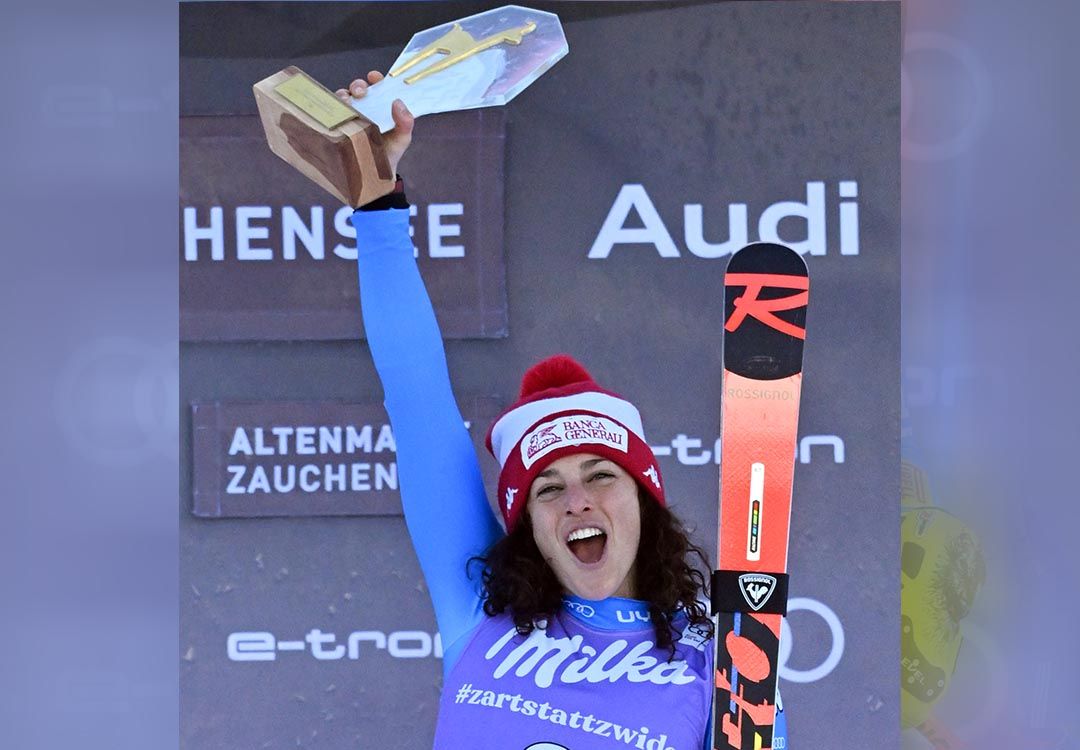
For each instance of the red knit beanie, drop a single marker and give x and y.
(559, 412)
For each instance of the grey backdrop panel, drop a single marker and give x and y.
(700, 104)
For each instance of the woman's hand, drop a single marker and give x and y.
(396, 141)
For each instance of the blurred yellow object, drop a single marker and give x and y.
(914, 488)
(941, 570)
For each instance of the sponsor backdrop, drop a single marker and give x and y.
(594, 215)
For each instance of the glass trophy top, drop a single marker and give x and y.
(481, 61)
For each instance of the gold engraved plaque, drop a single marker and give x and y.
(316, 101)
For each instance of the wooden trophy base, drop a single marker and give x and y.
(328, 141)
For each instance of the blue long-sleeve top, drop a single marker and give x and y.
(435, 454)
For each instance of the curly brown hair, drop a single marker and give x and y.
(516, 577)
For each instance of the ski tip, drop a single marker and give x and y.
(766, 293)
(767, 257)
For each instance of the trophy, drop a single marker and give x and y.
(484, 60)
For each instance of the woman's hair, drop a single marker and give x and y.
(516, 577)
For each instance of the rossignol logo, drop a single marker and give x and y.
(634, 220)
(575, 429)
(569, 661)
(765, 394)
(756, 589)
(749, 304)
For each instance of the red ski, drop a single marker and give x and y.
(767, 289)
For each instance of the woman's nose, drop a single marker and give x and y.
(577, 500)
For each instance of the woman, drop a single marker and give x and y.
(581, 626)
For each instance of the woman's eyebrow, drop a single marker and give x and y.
(592, 462)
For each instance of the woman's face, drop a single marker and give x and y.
(587, 523)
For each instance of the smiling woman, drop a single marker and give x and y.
(590, 528)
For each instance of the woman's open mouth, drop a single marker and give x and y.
(587, 544)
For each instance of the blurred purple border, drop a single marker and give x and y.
(89, 442)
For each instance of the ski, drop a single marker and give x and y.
(766, 293)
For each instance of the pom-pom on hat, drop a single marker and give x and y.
(561, 411)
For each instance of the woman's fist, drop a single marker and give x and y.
(396, 141)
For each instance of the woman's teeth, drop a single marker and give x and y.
(583, 534)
